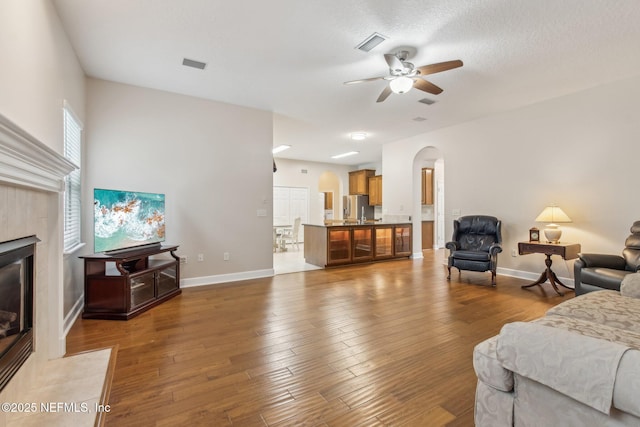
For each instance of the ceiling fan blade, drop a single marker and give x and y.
(385, 94)
(439, 67)
(394, 63)
(426, 86)
(364, 80)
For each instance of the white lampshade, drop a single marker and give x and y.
(402, 84)
(553, 214)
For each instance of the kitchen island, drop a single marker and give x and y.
(341, 244)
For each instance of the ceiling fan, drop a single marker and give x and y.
(403, 75)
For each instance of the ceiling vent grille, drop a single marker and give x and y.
(194, 64)
(419, 119)
(427, 101)
(370, 42)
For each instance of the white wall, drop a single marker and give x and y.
(39, 70)
(580, 151)
(212, 160)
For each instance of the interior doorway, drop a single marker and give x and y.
(429, 216)
(289, 203)
(329, 187)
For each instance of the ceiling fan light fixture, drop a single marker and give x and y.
(402, 84)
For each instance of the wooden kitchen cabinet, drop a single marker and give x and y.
(427, 186)
(334, 245)
(338, 246)
(359, 181)
(328, 200)
(362, 244)
(375, 190)
(383, 237)
(402, 244)
(427, 234)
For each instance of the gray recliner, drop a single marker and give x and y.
(476, 243)
(595, 272)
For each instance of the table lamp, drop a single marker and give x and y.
(551, 215)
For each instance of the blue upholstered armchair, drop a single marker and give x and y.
(475, 245)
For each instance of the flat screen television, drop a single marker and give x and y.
(127, 219)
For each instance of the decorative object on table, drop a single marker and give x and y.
(551, 215)
(595, 272)
(534, 234)
(476, 243)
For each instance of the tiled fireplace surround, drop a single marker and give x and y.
(31, 201)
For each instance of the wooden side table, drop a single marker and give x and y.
(565, 250)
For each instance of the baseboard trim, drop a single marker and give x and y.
(70, 318)
(257, 274)
(226, 278)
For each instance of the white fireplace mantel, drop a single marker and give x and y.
(27, 162)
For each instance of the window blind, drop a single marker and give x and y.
(72, 194)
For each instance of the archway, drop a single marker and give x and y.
(330, 195)
(428, 215)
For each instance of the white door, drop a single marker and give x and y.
(440, 213)
(290, 203)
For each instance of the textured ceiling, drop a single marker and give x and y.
(292, 57)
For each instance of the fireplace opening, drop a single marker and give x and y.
(16, 305)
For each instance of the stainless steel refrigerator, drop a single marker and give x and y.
(357, 207)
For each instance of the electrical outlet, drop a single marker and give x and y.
(200, 257)
(514, 253)
(225, 256)
(183, 260)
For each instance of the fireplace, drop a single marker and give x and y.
(16, 304)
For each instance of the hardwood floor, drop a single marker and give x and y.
(371, 345)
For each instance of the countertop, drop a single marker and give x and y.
(337, 223)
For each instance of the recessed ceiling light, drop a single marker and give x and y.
(280, 148)
(339, 156)
(358, 136)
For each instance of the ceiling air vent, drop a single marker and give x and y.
(370, 42)
(419, 119)
(427, 101)
(194, 64)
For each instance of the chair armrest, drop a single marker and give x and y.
(495, 249)
(603, 260)
(452, 246)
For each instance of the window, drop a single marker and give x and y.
(73, 152)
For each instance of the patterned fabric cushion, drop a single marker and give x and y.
(603, 307)
(488, 369)
(630, 286)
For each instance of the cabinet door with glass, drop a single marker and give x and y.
(402, 240)
(383, 240)
(338, 245)
(362, 243)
